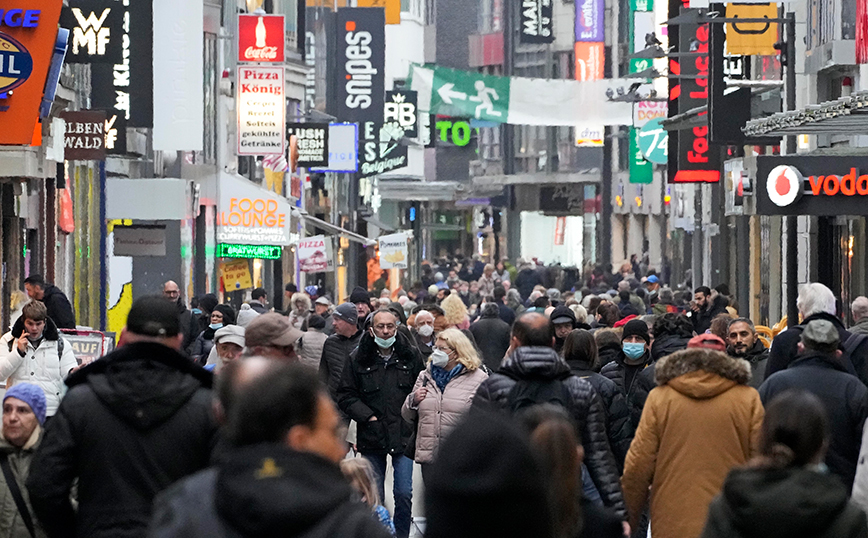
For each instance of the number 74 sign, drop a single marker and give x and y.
(654, 142)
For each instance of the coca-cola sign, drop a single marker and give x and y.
(261, 38)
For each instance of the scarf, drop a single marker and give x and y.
(442, 377)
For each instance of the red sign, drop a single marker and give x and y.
(261, 38)
(590, 58)
(560, 230)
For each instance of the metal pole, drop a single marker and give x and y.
(605, 228)
(103, 253)
(696, 260)
(792, 221)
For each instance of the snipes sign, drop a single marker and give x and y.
(818, 186)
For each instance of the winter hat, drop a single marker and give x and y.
(32, 396)
(360, 295)
(153, 316)
(316, 322)
(347, 312)
(636, 327)
(707, 341)
(820, 334)
(228, 313)
(494, 492)
(245, 315)
(432, 290)
(232, 334)
(563, 314)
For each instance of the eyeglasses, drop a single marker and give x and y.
(390, 327)
(444, 349)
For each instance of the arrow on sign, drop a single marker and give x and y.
(447, 94)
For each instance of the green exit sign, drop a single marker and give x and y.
(261, 252)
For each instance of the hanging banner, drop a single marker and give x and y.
(536, 21)
(393, 251)
(96, 28)
(590, 59)
(66, 216)
(862, 32)
(591, 20)
(261, 111)
(751, 38)
(381, 148)
(312, 143)
(401, 109)
(314, 254)
(645, 111)
(236, 275)
(343, 148)
(516, 100)
(560, 230)
(261, 38)
(360, 64)
(85, 135)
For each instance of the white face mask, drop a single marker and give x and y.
(439, 358)
(426, 330)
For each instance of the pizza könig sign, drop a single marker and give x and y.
(812, 185)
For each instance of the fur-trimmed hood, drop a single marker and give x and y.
(701, 373)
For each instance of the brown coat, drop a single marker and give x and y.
(440, 412)
(701, 421)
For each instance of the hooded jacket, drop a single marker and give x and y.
(370, 387)
(315, 500)
(758, 357)
(587, 407)
(11, 523)
(335, 352)
(700, 422)
(844, 397)
(783, 503)
(131, 424)
(631, 382)
(58, 306)
(492, 336)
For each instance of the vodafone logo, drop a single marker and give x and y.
(784, 185)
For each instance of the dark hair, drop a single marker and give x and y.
(580, 346)
(722, 289)
(34, 311)
(705, 290)
(154, 316)
(257, 293)
(593, 303)
(208, 302)
(624, 295)
(672, 324)
(533, 331)
(35, 280)
(795, 429)
(291, 288)
(609, 314)
(499, 293)
(268, 407)
(542, 302)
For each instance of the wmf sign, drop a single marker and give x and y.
(96, 28)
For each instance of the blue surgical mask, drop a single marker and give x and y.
(215, 326)
(634, 350)
(384, 343)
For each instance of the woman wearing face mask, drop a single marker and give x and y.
(634, 357)
(443, 393)
(222, 315)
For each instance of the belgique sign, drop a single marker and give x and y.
(812, 185)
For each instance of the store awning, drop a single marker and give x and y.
(540, 178)
(331, 228)
(846, 116)
(378, 223)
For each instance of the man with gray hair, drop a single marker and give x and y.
(859, 310)
(817, 302)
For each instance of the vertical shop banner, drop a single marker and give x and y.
(343, 148)
(401, 108)
(641, 171)
(590, 59)
(96, 31)
(752, 38)
(85, 135)
(315, 254)
(261, 38)
(178, 78)
(536, 21)
(862, 32)
(560, 230)
(261, 111)
(28, 32)
(360, 64)
(115, 133)
(392, 7)
(127, 87)
(674, 9)
(591, 20)
(312, 143)
(393, 251)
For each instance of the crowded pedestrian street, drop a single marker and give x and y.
(433, 268)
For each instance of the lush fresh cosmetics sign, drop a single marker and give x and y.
(312, 143)
(536, 21)
(261, 38)
(261, 111)
(96, 30)
(360, 64)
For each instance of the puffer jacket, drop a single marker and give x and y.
(440, 412)
(667, 344)
(588, 411)
(11, 524)
(40, 366)
(636, 390)
(310, 347)
(335, 353)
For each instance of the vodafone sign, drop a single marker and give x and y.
(261, 38)
(784, 185)
(818, 186)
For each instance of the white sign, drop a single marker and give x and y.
(261, 111)
(784, 185)
(343, 148)
(393, 251)
(250, 215)
(314, 254)
(645, 111)
(139, 241)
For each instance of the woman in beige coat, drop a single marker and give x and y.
(443, 392)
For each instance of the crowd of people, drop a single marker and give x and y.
(536, 402)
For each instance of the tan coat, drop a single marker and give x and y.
(700, 422)
(440, 412)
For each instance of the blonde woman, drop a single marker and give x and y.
(443, 393)
(360, 474)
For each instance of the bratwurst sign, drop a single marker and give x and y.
(812, 185)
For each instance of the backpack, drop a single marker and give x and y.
(529, 392)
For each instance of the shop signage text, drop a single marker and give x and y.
(400, 108)
(454, 131)
(261, 252)
(261, 38)
(393, 251)
(250, 215)
(312, 142)
(85, 135)
(382, 150)
(360, 64)
(97, 26)
(590, 19)
(139, 240)
(817, 186)
(314, 254)
(261, 111)
(236, 275)
(536, 21)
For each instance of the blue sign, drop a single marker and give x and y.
(16, 64)
(19, 18)
(654, 142)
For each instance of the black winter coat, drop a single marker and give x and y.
(492, 336)
(636, 388)
(335, 353)
(59, 308)
(371, 388)
(618, 425)
(132, 423)
(758, 357)
(702, 319)
(525, 282)
(844, 397)
(667, 344)
(608, 354)
(588, 412)
(315, 500)
(423, 348)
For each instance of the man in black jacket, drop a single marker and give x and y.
(492, 336)
(742, 343)
(374, 384)
(281, 477)
(337, 347)
(705, 309)
(506, 313)
(132, 423)
(172, 292)
(532, 357)
(59, 308)
(819, 369)
(625, 370)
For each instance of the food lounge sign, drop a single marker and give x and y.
(249, 215)
(818, 186)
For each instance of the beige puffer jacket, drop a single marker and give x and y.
(440, 412)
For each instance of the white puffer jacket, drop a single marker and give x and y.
(40, 366)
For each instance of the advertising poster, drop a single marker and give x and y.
(261, 38)
(312, 143)
(261, 111)
(590, 20)
(314, 254)
(393, 251)
(360, 64)
(536, 21)
(236, 275)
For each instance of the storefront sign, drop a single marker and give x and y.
(259, 252)
(250, 215)
(261, 38)
(751, 39)
(590, 60)
(393, 251)
(343, 148)
(88, 346)
(85, 135)
(28, 31)
(382, 150)
(645, 111)
(360, 64)
(653, 142)
(590, 20)
(641, 170)
(314, 254)
(261, 111)
(312, 143)
(115, 133)
(139, 240)
(401, 109)
(817, 186)
(236, 275)
(453, 131)
(96, 31)
(536, 21)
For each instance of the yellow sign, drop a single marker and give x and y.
(393, 8)
(751, 38)
(236, 275)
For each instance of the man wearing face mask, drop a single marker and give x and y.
(423, 333)
(634, 357)
(374, 384)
